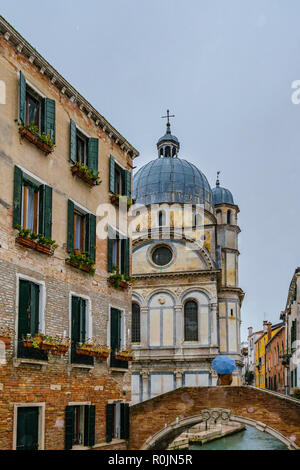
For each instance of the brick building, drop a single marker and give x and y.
(275, 370)
(51, 400)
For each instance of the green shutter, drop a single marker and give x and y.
(124, 421)
(82, 320)
(110, 238)
(72, 141)
(69, 426)
(24, 304)
(18, 183)
(22, 98)
(92, 157)
(91, 235)
(70, 226)
(112, 175)
(109, 422)
(115, 329)
(49, 125)
(89, 425)
(45, 211)
(34, 308)
(125, 257)
(128, 184)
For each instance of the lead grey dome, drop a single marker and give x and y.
(222, 196)
(171, 180)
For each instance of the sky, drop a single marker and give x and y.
(225, 69)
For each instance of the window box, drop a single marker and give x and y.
(81, 261)
(118, 284)
(92, 349)
(126, 355)
(84, 174)
(115, 200)
(37, 242)
(57, 346)
(27, 134)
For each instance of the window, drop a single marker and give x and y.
(29, 319)
(83, 149)
(79, 330)
(136, 323)
(34, 108)
(117, 421)
(27, 428)
(162, 256)
(32, 204)
(81, 231)
(118, 252)
(191, 321)
(119, 179)
(161, 218)
(80, 426)
(229, 217)
(117, 338)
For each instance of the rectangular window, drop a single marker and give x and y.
(33, 108)
(27, 428)
(79, 330)
(119, 179)
(80, 426)
(117, 421)
(118, 252)
(117, 338)
(79, 231)
(30, 206)
(29, 319)
(81, 148)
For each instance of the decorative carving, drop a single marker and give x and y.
(216, 415)
(162, 300)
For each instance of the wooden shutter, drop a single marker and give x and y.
(109, 422)
(82, 320)
(125, 256)
(70, 234)
(124, 421)
(70, 418)
(112, 175)
(110, 238)
(92, 157)
(34, 308)
(24, 303)
(45, 211)
(22, 98)
(115, 329)
(91, 235)
(73, 143)
(127, 181)
(17, 209)
(49, 126)
(89, 425)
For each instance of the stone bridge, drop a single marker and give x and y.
(155, 423)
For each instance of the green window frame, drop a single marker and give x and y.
(79, 333)
(117, 242)
(90, 227)
(115, 173)
(89, 426)
(124, 424)
(91, 149)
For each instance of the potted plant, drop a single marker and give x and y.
(62, 345)
(115, 200)
(87, 174)
(102, 352)
(32, 133)
(82, 261)
(6, 333)
(118, 280)
(29, 238)
(85, 348)
(124, 355)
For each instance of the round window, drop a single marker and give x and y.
(162, 256)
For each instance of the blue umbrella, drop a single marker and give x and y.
(223, 365)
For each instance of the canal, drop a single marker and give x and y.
(250, 439)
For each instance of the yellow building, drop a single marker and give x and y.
(260, 353)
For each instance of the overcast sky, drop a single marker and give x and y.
(225, 68)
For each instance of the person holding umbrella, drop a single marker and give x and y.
(224, 366)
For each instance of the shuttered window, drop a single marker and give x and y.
(117, 421)
(37, 110)
(118, 252)
(81, 231)
(80, 426)
(32, 207)
(136, 323)
(116, 338)
(83, 149)
(191, 321)
(79, 330)
(119, 179)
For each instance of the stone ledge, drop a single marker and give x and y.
(17, 362)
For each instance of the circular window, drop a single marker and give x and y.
(162, 256)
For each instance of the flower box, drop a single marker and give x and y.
(6, 340)
(102, 357)
(124, 356)
(84, 268)
(26, 134)
(115, 200)
(122, 285)
(34, 245)
(76, 171)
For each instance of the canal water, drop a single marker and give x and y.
(250, 439)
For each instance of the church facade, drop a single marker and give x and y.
(186, 296)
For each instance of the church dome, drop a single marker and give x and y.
(221, 195)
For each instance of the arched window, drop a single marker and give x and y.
(161, 218)
(229, 217)
(219, 216)
(191, 321)
(136, 323)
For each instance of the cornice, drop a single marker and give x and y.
(23, 47)
(175, 274)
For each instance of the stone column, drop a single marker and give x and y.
(179, 375)
(213, 325)
(145, 380)
(179, 326)
(144, 327)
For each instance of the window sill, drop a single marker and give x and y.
(17, 362)
(86, 269)
(112, 443)
(123, 284)
(34, 246)
(26, 134)
(81, 366)
(118, 369)
(76, 171)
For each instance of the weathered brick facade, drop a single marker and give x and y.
(53, 385)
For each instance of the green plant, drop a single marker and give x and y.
(249, 377)
(81, 260)
(40, 239)
(296, 393)
(129, 200)
(33, 128)
(89, 173)
(117, 278)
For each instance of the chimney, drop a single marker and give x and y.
(265, 326)
(250, 331)
(269, 331)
